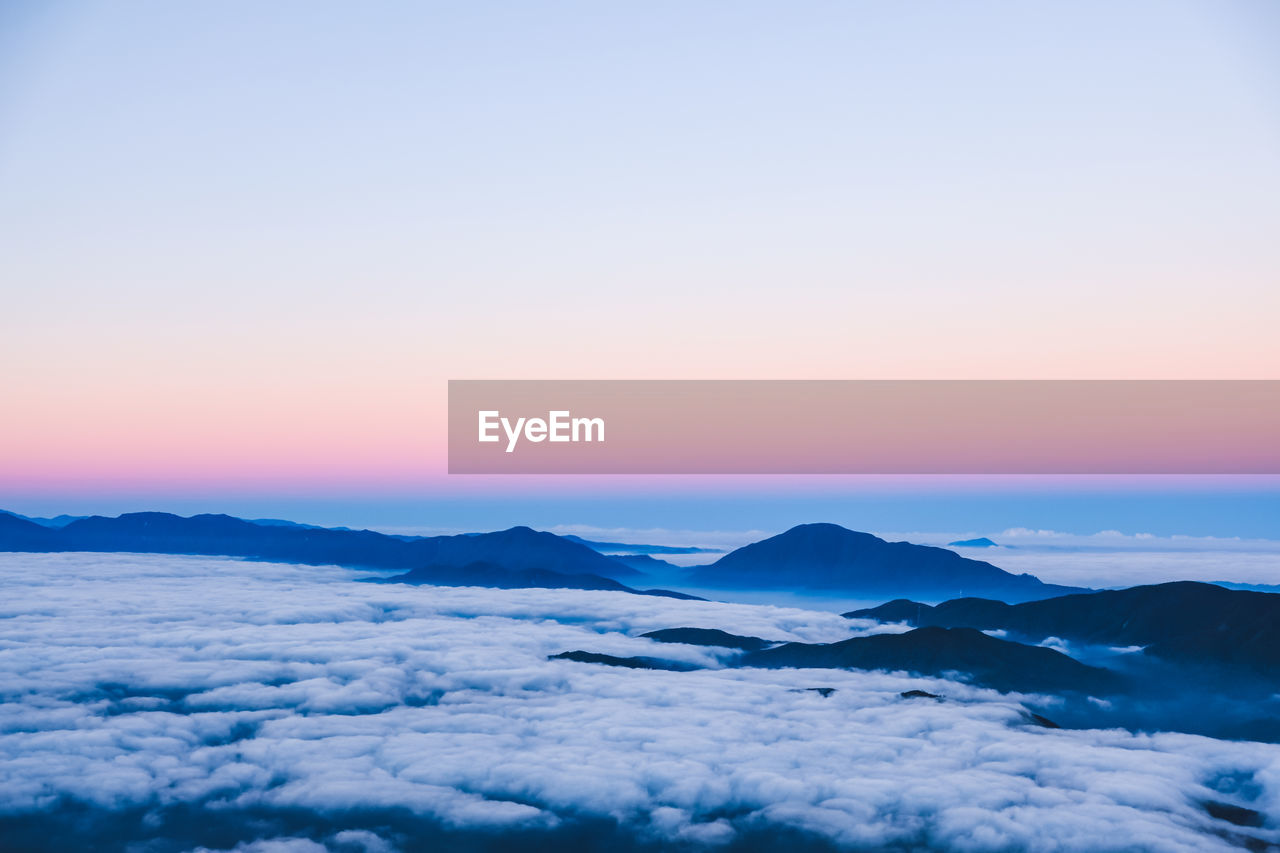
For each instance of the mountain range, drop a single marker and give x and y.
(1202, 644)
(983, 660)
(514, 558)
(988, 661)
(822, 558)
(1182, 621)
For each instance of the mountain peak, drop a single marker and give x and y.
(830, 557)
(825, 529)
(980, 542)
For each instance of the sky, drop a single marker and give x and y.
(243, 247)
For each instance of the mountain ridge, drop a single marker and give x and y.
(829, 557)
(822, 557)
(1185, 621)
(519, 551)
(935, 651)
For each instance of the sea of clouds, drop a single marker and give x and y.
(155, 703)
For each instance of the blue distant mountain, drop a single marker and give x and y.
(640, 549)
(831, 558)
(1255, 587)
(18, 533)
(645, 564)
(280, 522)
(56, 521)
(501, 577)
(525, 555)
(818, 557)
(981, 542)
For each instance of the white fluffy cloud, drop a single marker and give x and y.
(148, 681)
(1130, 566)
(1110, 558)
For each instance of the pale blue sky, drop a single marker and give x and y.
(236, 235)
(981, 180)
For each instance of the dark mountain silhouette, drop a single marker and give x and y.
(56, 521)
(629, 663)
(528, 557)
(1038, 720)
(671, 593)
(980, 542)
(20, 534)
(639, 549)
(989, 661)
(644, 564)
(832, 558)
(283, 522)
(898, 610)
(1182, 621)
(501, 577)
(518, 548)
(708, 637)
